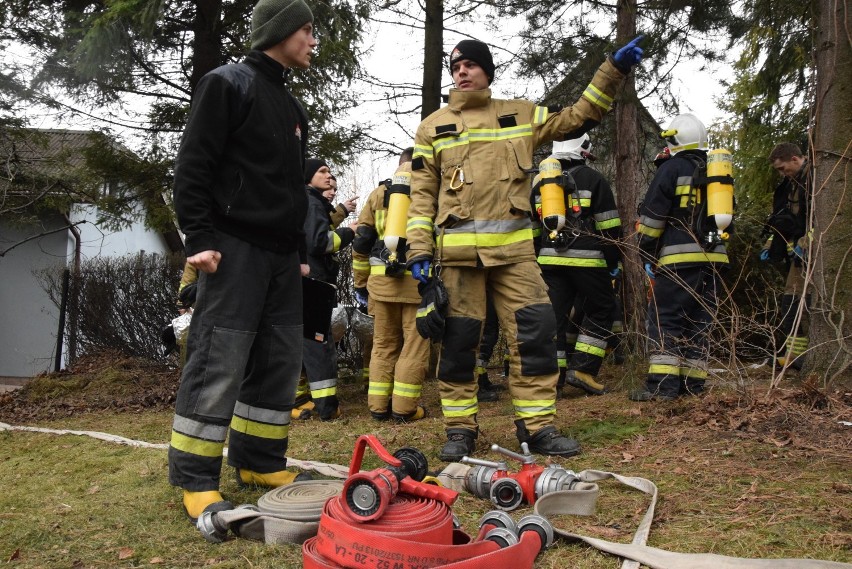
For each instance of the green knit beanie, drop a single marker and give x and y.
(273, 21)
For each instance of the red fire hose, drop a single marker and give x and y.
(418, 532)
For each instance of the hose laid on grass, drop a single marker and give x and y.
(326, 469)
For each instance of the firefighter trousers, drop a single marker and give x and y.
(680, 313)
(320, 361)
(399, 359)
(244, 354)
(593, 286)
(526, 317)
(795, 333)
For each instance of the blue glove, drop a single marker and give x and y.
(420, 270)
(764, 254)
(649, 270)
(797, 251)
(361, 297)
(615, 272)
(629, 55)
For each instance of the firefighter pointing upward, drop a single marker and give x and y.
(470, 190)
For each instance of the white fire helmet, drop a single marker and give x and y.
(685, 132)
(573, 149)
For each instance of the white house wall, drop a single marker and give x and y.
(28, 318)
(96, 242)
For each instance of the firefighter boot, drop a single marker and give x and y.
(303, 412)
(460, 443)
(196, 503)
(547, 440)
(584, 381)
(269, 479)
(415, 415)
(487, 392)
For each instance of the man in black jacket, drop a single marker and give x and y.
(787, 228)
(323, 241)
(240, 200)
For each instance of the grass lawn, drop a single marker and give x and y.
(741, 473)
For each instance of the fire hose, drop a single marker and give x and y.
(287, 514)
(387, 518)
(419, 532)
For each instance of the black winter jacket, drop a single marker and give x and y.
(667, 235)
(323, 240)
(596, 228)
(240, 162)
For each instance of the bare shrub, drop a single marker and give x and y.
(119, 303)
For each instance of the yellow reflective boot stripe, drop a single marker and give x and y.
(379, 388)
(661, 369)
(598, 97)
(327, 392)
(693, 372)
(362, 266)
(586, 348)
(262, 430)
(534, 407)
(459, 407)
(195, 446)
(486, 239)
(406, 389)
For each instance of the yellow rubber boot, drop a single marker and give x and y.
(196, 502)
(303, 412)
(269, 479)
(584, 381)
(418, 414)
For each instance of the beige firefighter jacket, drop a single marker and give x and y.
(470, 189)
(369, 270)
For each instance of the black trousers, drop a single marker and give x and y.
(244, 356)
(680, 314)
(593, 286)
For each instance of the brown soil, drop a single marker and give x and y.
(107, 380)
(796, 416)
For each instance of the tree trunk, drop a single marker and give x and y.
(831, 259)
(433, 57)
(206, 43)
(627, 184)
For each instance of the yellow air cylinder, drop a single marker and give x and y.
(397, 216)
(552, 196)
(720, 195)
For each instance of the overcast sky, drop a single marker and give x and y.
(396, 57)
